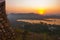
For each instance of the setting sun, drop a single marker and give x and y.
(41, 11)
(41, 7)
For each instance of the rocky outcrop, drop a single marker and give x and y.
(6, 32)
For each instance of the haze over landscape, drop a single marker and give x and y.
(34, 19)
(30, 19)
(33, 6)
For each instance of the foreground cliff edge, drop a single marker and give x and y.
(6, 32)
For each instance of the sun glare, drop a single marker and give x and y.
(41, 11)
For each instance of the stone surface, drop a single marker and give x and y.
(6, 32)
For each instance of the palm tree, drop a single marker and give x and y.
(6, 32)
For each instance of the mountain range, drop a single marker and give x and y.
(31, 16)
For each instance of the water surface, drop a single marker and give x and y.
(48, 21)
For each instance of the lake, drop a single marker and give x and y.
(48, 21)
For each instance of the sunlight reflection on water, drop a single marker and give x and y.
(48, 21)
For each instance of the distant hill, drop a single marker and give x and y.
(26, 16)
(31, 16)
(57, 16)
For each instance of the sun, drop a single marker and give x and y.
(41, 11)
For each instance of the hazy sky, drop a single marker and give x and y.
(50, 6)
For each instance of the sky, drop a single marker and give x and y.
(34, 6)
